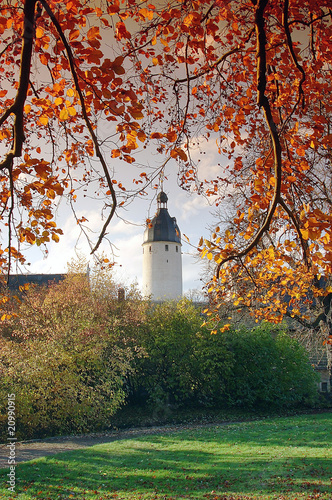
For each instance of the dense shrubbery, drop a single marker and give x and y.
(65, 359)
(74, 354)
(244, 368)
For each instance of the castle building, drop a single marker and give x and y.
(162, 261)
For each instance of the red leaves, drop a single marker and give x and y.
(117, 67)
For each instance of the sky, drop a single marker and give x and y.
(194, 214)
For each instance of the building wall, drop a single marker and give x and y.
(162, 270)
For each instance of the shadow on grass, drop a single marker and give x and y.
(228, 461)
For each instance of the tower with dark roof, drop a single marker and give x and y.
(162, 262)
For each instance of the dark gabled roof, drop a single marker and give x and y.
(17, 280)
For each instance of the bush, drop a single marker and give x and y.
(166, 373)
(270, 369)
(64, 359)
(185, 364)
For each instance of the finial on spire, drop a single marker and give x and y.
(161, 179)
(162, 199)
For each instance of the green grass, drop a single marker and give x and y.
(282, 458)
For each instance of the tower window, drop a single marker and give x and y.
(166, 248)
(177, 248)
(150, 249)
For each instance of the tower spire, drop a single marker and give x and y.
(162, 262)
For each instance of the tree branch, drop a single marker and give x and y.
(87, 121)
(304, 244)
(23, 85)
(292, 52)
(263, 102)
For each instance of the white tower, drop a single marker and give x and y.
(162, 262)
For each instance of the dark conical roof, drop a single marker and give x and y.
(163, 227)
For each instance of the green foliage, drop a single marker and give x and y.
(64, 360)
(73, 354)
(166, 372)
(270, 369)
(184, 363)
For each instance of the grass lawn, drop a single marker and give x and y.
(282, 458)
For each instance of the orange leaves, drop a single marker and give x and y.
(115, 153)
(74, 34)
(146, 14)
(179, 153)
(192, 19)
(113, 7)
(93, 34)
(121, 31)
(39, 32)
(156, 135)
(44, 58)
(171, 136)
(136, 111)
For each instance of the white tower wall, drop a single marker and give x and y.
(162, 270)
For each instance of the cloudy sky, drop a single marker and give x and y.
(193, 214)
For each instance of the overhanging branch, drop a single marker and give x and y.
(87, 121)
(17, 107)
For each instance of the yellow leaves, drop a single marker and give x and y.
(27, 109)
(64, 114)
(131, 140)
(6, 316)
(55, 237)
(225, 328)
(146, 14)
(24, 287)
(72, 111)
(43, 120)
